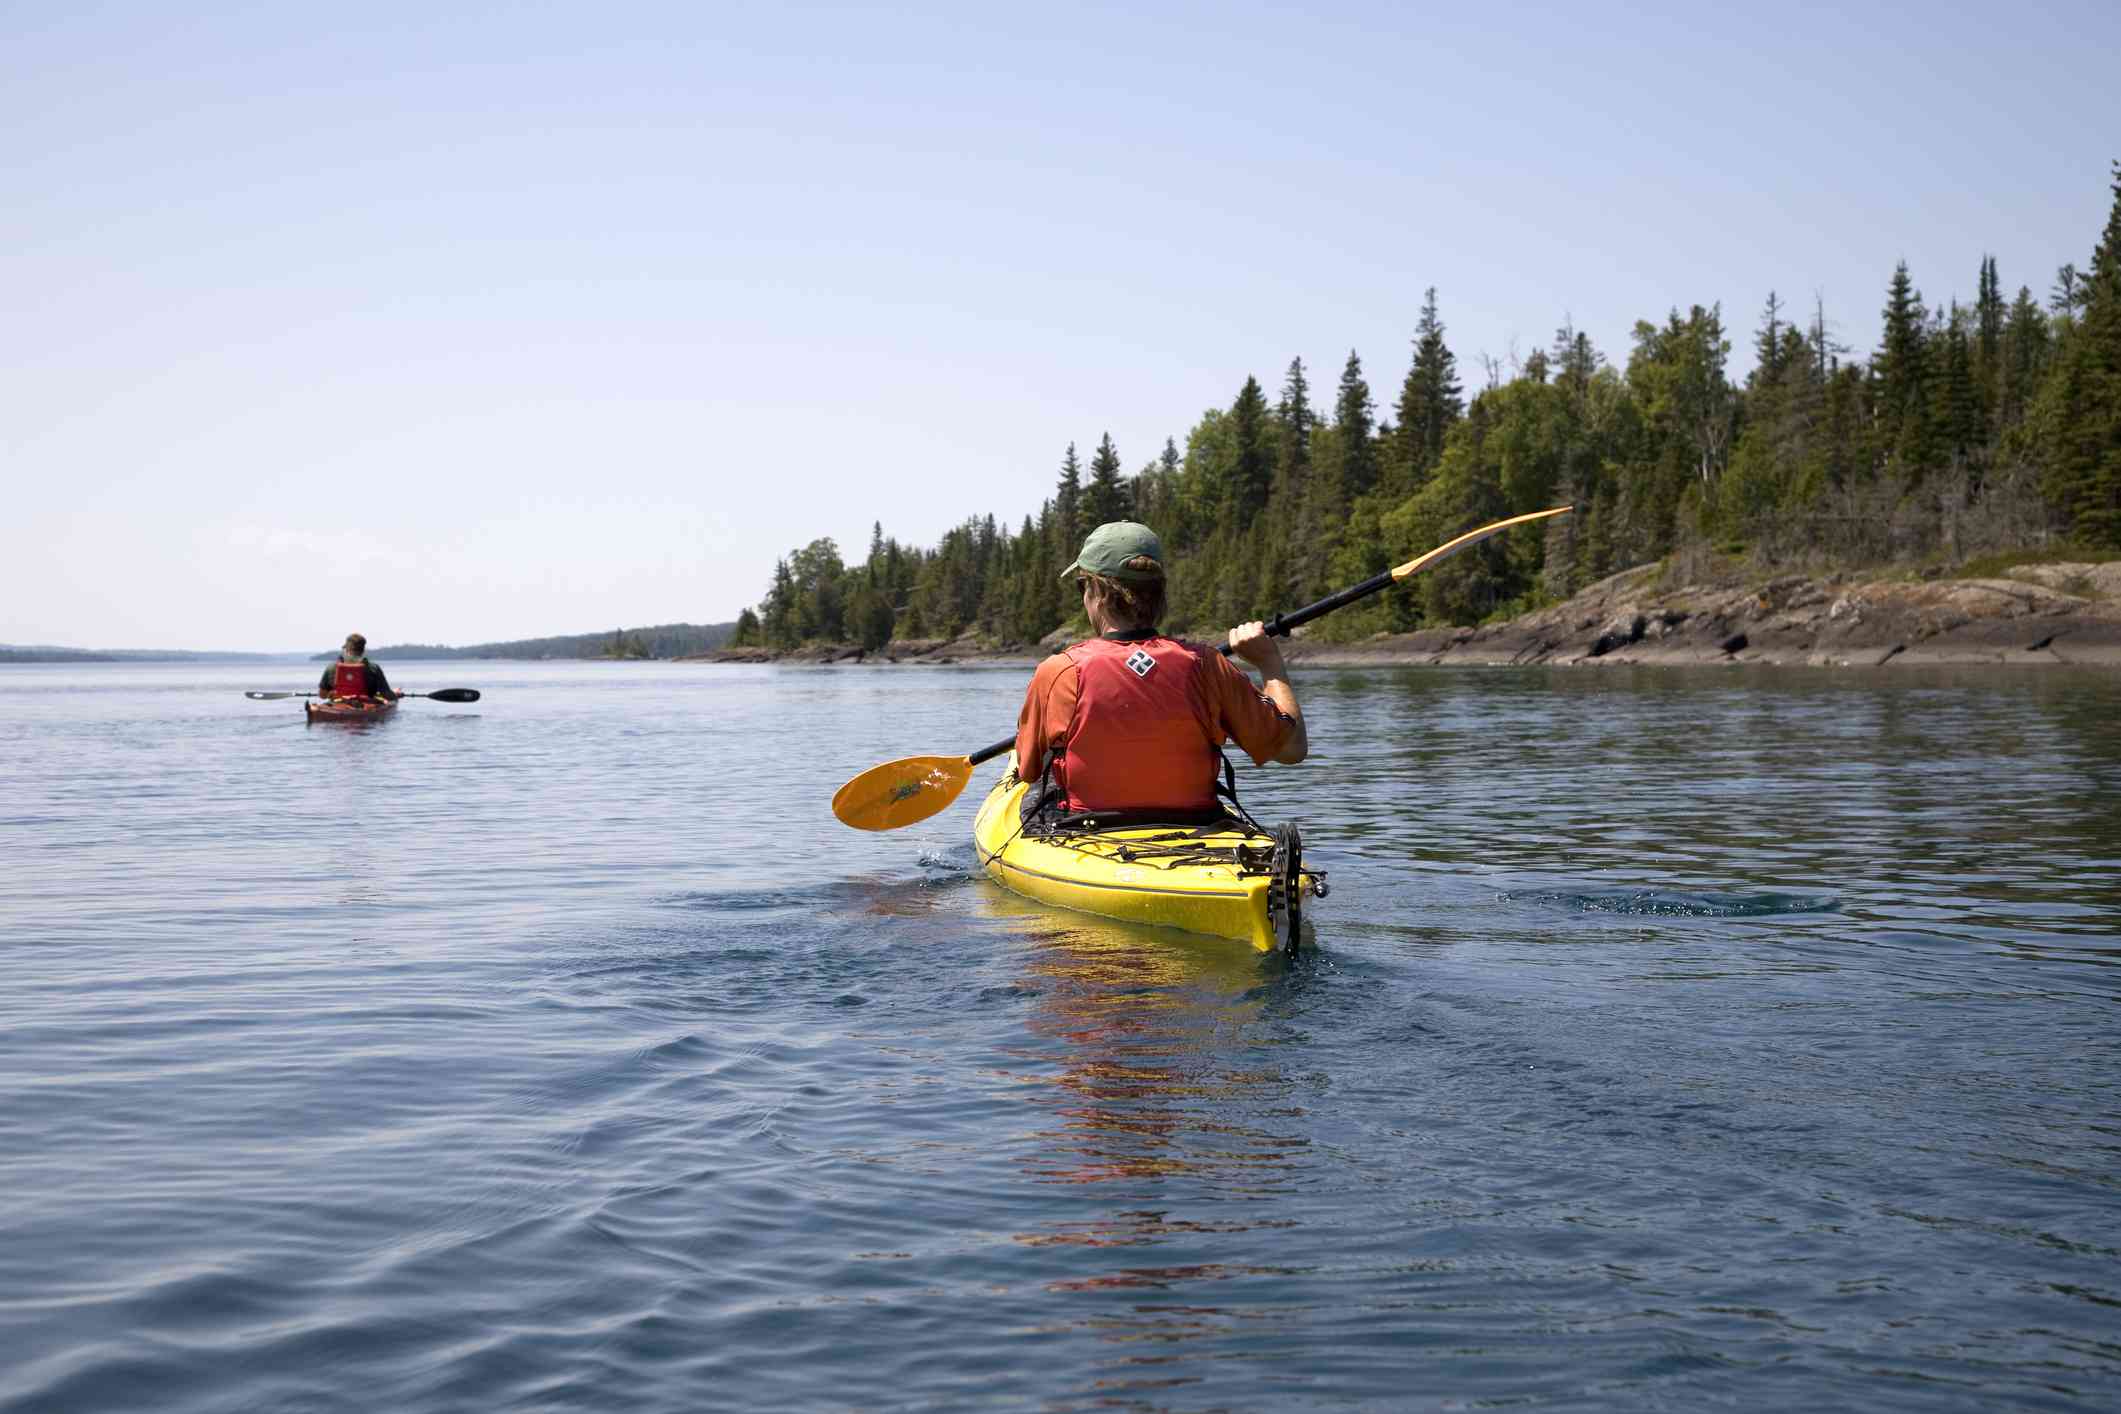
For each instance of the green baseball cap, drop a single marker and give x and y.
(1114, 543)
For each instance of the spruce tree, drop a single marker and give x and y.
(1430, 400)
(2026, 346)
(1068, 528)
(1105, 498)
(1249, 476)
(1898, 363)
(1353, 421)
(2079, 410)
(1575, 360)
(2066, 296)
(1767, 344)
(1988, 339)
(1294, 419)
(1177, 534)
(1961, 418)
(778, 621)
(1906, 425)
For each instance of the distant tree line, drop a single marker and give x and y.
(661, 641)
(1972, 429)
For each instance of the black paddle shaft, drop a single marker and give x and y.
(1278, 627)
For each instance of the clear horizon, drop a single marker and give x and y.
(467, 327)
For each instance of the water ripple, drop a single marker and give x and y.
(1669, 1040)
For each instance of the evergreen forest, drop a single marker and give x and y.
(1977, 429)
(657, 641)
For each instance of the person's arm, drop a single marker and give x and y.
(324, 683)
(378, 685)
(1034, 728)
(1256, 646)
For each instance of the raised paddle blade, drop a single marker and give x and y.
(1471, 538)
(901, 792)
(450, 694)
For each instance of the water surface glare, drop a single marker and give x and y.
(1669, 1039)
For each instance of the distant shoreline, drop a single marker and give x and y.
(2037, 615)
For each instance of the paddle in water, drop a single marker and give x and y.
(900, 793)
(447, 694)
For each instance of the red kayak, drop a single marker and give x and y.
(349, 709)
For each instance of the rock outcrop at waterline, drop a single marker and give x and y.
(2038, 614)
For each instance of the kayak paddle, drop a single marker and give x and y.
(447, 694)
(899, 793)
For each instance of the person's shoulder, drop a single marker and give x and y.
(1052, 666)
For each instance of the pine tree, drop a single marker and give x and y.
(1105, 498)
(1988, 339)
(779, 622)
(1906, 426)
(1961, 411)
(1767, 345)
(1294, 419)
(1575, 361)
(1250, 474)
(1353, 421)
(1068, 529)
(2027, 344)
(1430, 400)
(1898, 363)
(1826, 350)
(2079, 409)
(2066, 296)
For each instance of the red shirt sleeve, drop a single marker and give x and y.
(1049, 705)
(1243, 711)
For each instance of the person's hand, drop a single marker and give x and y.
(1252, 643)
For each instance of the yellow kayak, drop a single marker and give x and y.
(1225, 880)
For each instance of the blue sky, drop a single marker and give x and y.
(496, 322)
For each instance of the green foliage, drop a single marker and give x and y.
(1105, 498)
(1989, 429)
(1430, 401)
(1355, 422)
(2077, 416)
(1248, 471)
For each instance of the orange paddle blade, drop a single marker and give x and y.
(1472, 537)
(900, 792)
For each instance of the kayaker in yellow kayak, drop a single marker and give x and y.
(1133, 720)
(354, 675)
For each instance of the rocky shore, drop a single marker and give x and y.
(2035, 615)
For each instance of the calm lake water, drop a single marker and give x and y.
(1669, 1039)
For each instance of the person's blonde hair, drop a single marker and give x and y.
(1132, 603)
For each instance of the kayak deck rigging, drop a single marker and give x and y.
(1227, 878)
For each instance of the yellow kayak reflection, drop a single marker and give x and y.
(1147, 1046)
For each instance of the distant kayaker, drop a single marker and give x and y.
(354, 675)
(1133, 720)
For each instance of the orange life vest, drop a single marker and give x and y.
(349, 680)
(1143, 736)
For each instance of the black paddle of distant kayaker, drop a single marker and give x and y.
(447, 694)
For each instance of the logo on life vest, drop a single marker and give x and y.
(1139, 662)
